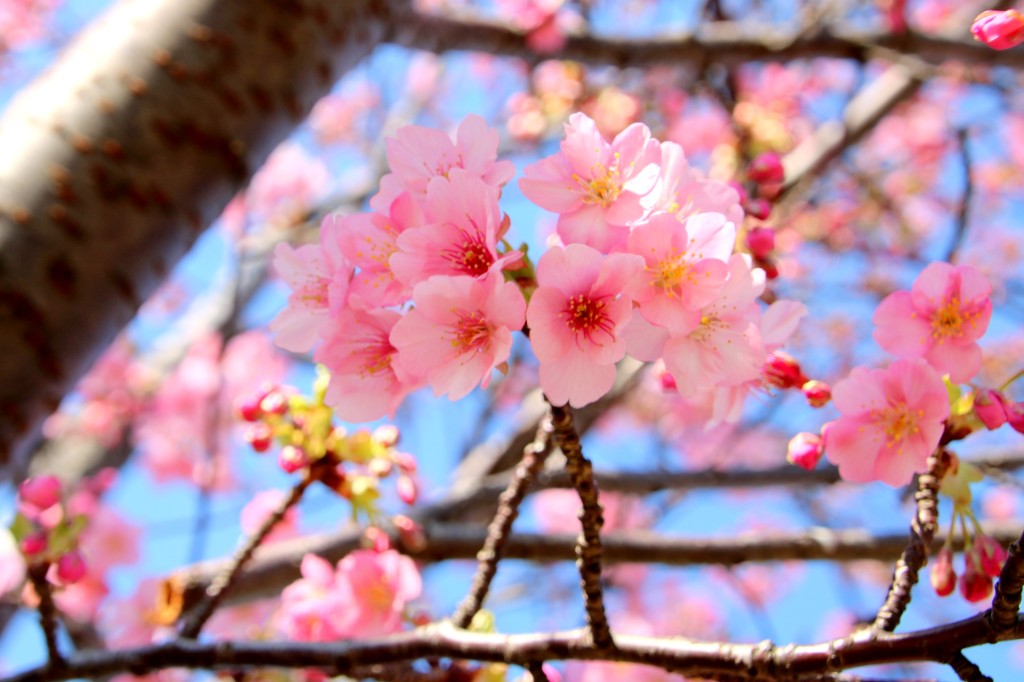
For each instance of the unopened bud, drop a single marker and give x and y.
(34, 544)
(766, 168)
(990, 408)
(817, 393)
(71, 567)
(943, 577)
(1015, 416)
(410, 533)
(274, 402)
(761, 242)
(41, 492)
(991, 555)
(1000, 30)
(805, 450)
(260, 436)
(291, 459)
(407, 491)
(377, 539)
(758, 208)
(974, 584)
(783, 371)
(248, 408)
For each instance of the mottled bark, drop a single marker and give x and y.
(116, 160)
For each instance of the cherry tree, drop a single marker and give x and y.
(714, 298)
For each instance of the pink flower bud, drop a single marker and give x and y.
(1015, 415)
(377, 539)
(71, 567)
(405, 462)
(943, 576)
(991, 555)
(805, 450)
(380, 466)
(259, 436)
(783, 371)
(758, 208)
(817, 393)
(274, 402)
(761, 242)
(410, 533)
(248, 408)
(34, 544)
(291, 459)
(990, 407)
(999, 30)
(407, 491)
(766, 168)
(386, 435)
(975, 586)
(41, 492)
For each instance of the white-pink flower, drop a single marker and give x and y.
(376, 587)
(365, 383)
(459, 331)
(575, 319)
(313, 608)
(595, 186)
(683, 190)
(940, 319)
(891, 421)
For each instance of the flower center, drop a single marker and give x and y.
(375, 355)
(604, 187)
(899, 422)
(471, 333)
(948, 321)
(380, 595)
(586, 317)
(471, 257)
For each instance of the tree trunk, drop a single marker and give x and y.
(116, 159)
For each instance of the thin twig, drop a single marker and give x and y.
(588, 545)
(1006, 602)
(534, 456)
(922, 531)
(537, 672)
(47, 613)
(963, 212)
(966, 670)
(223, 583)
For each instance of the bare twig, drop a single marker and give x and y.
(588, 545)
(915, 555)
(498, 532)
(220, 586)
(967, 670)
(963, 212)
(1006, 602)
(47, 613)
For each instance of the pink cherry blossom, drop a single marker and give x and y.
(319, 278)
(417, 154)
(595, 186)
(684, 191)
(366, 383)
(891, 421)
(375, 588)
(459, 331)
(686, 265)
(575, 319)
(313, 609)
(461, 237)
(726, 348)
(368, 240)
(287, 185)
(940, 319)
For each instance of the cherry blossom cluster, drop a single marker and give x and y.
(350, 464)
(425, 290)
(46, 532)
(893, 418)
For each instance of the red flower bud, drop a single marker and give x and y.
(377, 539)
(34, 543)
(410, 533)
(41, 492)
(71, 567)
(783, 371)
(991, 555)
(274, 402)
(259, 436)
(291, 459)
(943, 576)
(999, 30)
(407, 491)
(758, 208)
(975, 586)
(990, 407)
(1015, 416)
(248, 408)
(761, 242)
(766, 168)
